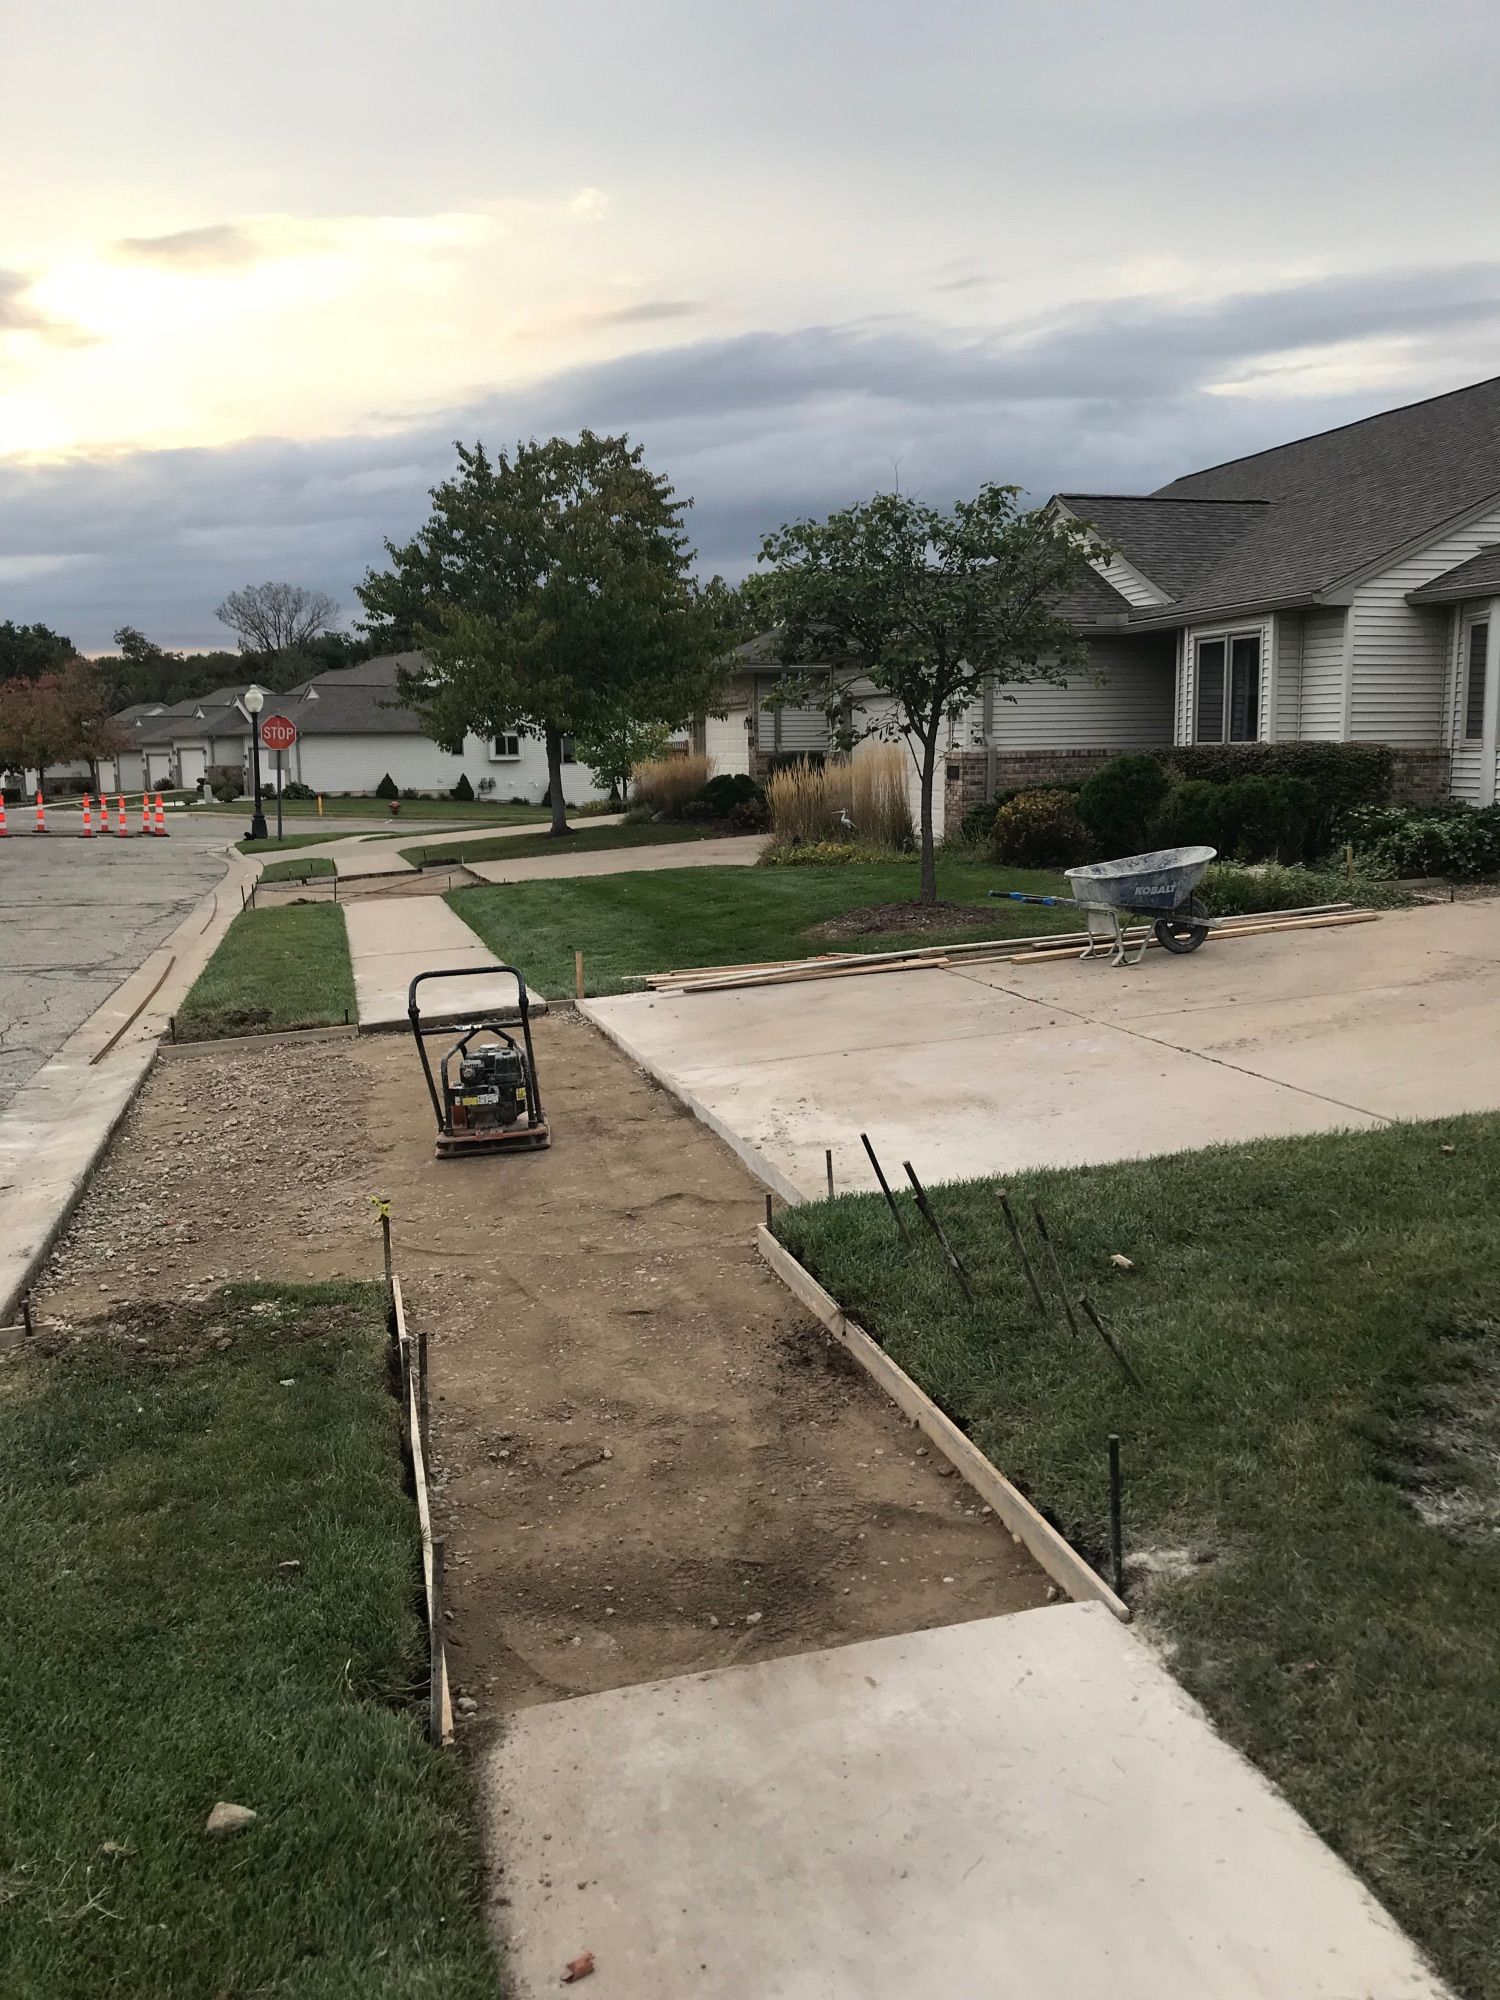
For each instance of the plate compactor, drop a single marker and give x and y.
(485, 1093)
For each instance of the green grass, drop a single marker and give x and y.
(291, 840)
(481, 811)
(156, 1660)
(274, 969)
(293, 870)
(586, 840)
(1317, 1321)
(627, 925)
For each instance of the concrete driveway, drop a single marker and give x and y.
(78, 916)
(989, 1068)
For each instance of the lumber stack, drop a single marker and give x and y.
(1037, 950)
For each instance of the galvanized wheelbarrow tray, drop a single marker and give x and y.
(1155, 886)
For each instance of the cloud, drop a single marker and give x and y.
(218, 243)
(644, 313)
(1112, 395)
(20, 314)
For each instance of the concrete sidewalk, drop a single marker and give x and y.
(1017, 1808)
(390, 942)
(735, 851)
(985, 1069)
(374, 845)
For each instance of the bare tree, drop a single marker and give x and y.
(276, 617)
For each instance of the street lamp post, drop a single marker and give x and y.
(255, 701)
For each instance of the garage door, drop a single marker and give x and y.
(158, 769)
(191, 765)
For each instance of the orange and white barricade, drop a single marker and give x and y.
(122, 829)
(88, 818)
(41, 815)
(160, 827)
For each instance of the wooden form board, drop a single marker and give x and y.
(1054, 1552)
(424, 1510)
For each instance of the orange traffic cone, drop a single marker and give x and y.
(88, 819)
(145, 812)
(124, 831)
(41, 815)
(2, 815)
(161, 819)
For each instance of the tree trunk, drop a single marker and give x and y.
(927, 895)
(555, 784)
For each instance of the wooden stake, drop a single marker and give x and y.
(1021, 1251)
(578, 974)
(1054, 1266)
(924, 1207)
(1116, 1535)
(885, 1189)
(828, 1162)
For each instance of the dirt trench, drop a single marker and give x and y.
(649, 1459)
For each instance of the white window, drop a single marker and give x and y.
(1226, 689)
(1476, 645)
(504, 749)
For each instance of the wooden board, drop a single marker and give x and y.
(1054, 1552)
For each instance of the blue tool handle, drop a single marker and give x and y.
(1018, 896)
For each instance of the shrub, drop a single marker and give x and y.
(1342, 775)
(1242, 892)
(297, 790)
(1119, 802)
(810, 802)
(974, 829)
(1450, 839)
(226, 790)
(1040, 830)
(1252, 818)
(388, 788)
(463, 789)
(751, 815)
(813, 853)
(666, 784)
(729, 789)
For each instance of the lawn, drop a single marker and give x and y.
(291, 840)
(295, 870)
(210, 1595)
(585, 840)
(1312, 1474)
(483, 812)
(628, 925)
(274, 969)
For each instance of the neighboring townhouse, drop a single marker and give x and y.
(351, 732)
(1345, 587)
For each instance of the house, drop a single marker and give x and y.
(1342, 588)
(351, 732)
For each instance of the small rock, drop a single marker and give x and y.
(753, 1617)
(1121, 1262)
(288, 1568)
(713, 1622)
(466, 1705)
(227, 1818)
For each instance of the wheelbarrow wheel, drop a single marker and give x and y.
(1185, 929)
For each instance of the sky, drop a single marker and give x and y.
(268, 263)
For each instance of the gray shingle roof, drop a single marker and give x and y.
(1343, 500)
(353, 701)
(1478, 577)
(1093, 601)
(1174, 542)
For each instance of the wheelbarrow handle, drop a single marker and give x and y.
(1047, 902)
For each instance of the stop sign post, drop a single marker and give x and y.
(278, 733)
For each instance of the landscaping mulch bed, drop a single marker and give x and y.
(917, 919)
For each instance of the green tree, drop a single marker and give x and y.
(550, 592)
(29, 650)
(914, 611)
(614, 745)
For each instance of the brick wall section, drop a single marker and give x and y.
(1420, 779)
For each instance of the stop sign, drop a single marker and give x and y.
(278, 732)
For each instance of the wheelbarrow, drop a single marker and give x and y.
(1158, 887)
